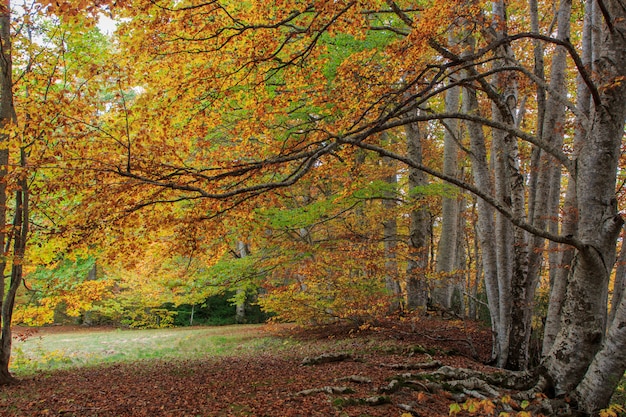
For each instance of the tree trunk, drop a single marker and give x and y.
(240, 306)
(442, 290)
(419, 227)
(570, 213)
(390, 235)
(477, 272)
(619, 282)
(486, 231)
(607, 368)
(584, 310)
(515, 284)
(7, 117)
(521, 284)
(548, 171)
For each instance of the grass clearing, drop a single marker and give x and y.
(84, 348)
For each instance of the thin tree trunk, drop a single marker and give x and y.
(569, 225)
(20, 234)
(486, 230)
(419, 227)
(501, 157)
(477, 270)
(390, 235)
(240, 307)
(548, 171)
(447, 249)
(620, 281)
(516, 291)
(539, 72)
(7, 117)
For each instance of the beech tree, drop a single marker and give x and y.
(235, 104)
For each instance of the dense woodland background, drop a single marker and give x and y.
(322, 161)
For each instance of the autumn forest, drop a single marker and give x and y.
(324, 162)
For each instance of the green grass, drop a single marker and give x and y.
(89, 348)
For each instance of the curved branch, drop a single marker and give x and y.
(556, 152)
(580, 66)
(300, 171)
(521, 223)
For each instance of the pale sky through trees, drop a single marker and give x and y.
(106, 24)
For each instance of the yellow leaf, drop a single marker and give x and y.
(454, 409)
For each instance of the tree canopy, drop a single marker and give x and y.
(329, 160)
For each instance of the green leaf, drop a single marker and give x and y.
(454, 409)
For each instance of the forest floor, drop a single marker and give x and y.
(273, 380)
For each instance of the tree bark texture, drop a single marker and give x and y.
(443, 289)
(7, 116)
(516, 287)
(569, 223)
(485, 229)
(390, 235)
(419, 227)
(571, 360)
(547, 172)
(620, 281)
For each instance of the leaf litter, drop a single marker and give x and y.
(270, 382)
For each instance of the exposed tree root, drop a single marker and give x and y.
(473, 387)
(503, 389)
(540, 387)
(359, 379)
(327, 358)
(327, 390)
(414, 366)
(518, 380)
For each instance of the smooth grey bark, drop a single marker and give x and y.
(548, 170)
(419, 226)
(390, 234)
(486, 232)
(558, 286)
(570, 366)
(512, 245)
(619, 283)
(240, 307)
(539, 72)
(553, 127)
(584, 310)
(503, 160)
(476, 262)
(521, 290)
(443, 288)
(503, 245)
(569, 222)
(607, 368)
(193, 310)
(459, 289)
